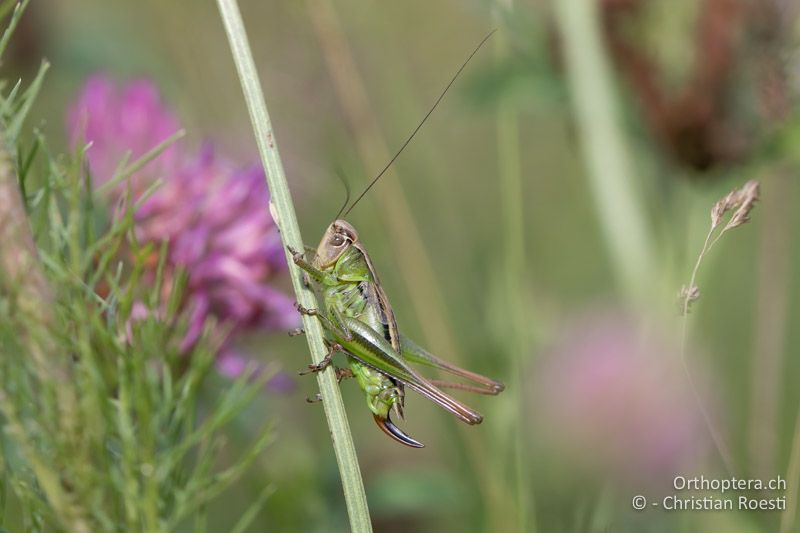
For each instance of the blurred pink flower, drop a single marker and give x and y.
(116, 121)
(614, 396)
(213, 213)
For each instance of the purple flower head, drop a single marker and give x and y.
(219, 229)
(116, 121)
(213, 213)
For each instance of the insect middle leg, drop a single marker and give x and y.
(316, 399)
(326, 361)
(297, 331)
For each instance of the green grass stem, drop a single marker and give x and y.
(604, 148)
(284, 215)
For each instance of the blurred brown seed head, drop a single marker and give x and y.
(735, 59)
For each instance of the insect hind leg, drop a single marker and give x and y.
(343, 373)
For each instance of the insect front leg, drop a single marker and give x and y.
(323, 278)
(297, 331)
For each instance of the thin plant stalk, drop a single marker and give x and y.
(511, 197)
(605, 151)
(771, 321)
(688, 297)
(789, 516)
(283, 212)
(775, 260)
(735, 207)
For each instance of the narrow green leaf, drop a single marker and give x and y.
(12, 25)
(252, 511)
(124, 172)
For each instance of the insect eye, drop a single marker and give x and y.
(337, 240)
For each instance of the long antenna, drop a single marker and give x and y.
(343, 178)
(430, 111)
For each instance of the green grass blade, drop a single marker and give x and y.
(19, 8)
(15, 125)
(252, 511)
(125, 171)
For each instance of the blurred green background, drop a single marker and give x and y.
(491, 238)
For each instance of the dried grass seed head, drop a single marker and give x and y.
(741, 200)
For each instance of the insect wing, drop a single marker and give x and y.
(371, 349)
